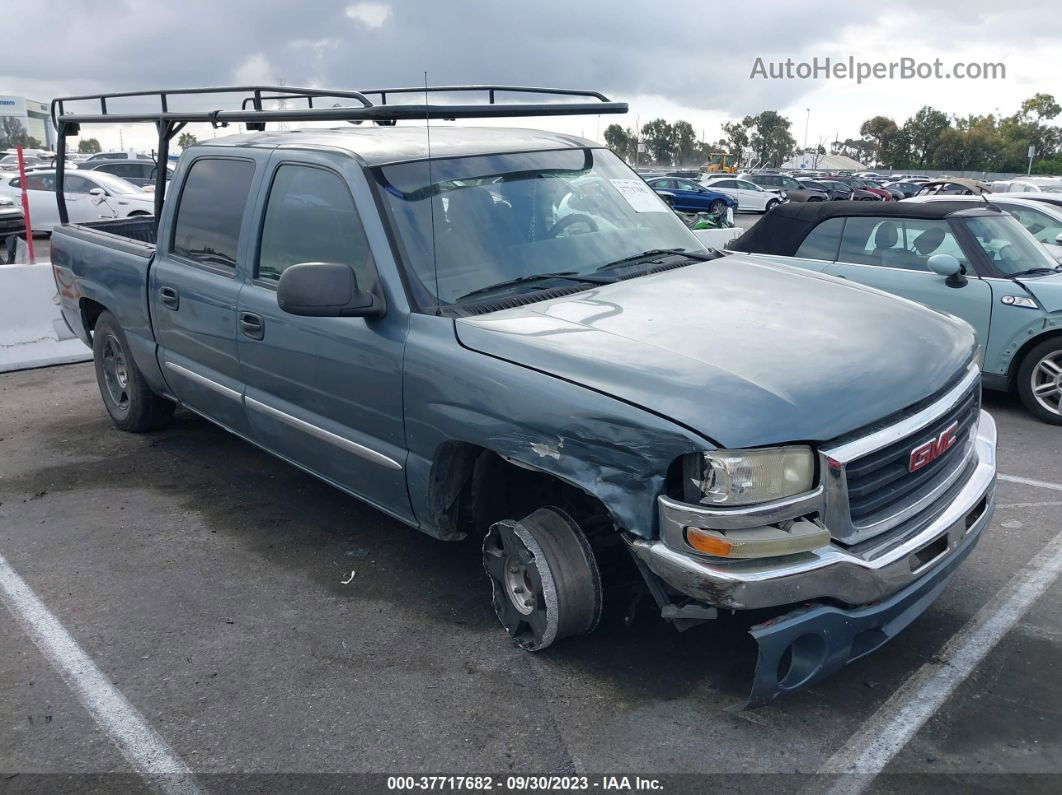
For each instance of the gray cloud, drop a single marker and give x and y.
(674, 51)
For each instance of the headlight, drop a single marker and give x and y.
(745, 477)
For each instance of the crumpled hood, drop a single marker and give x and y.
(742, 351)
(1045, 289)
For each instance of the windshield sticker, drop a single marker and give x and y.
(639, 196)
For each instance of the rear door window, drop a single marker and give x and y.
(210, 213)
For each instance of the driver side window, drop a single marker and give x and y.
(904, 243)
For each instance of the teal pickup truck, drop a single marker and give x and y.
(972, 261)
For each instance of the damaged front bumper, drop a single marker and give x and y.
(853, 599)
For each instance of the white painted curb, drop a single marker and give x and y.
(32, 332)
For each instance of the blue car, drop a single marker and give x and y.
(690, 196)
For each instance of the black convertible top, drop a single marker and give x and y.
(783, 229)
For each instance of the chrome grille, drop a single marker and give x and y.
(870, 492)
(880, 482)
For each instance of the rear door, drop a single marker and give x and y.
(892, 253)
(324, 392)
(195, 283)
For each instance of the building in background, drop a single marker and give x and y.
(32, 115)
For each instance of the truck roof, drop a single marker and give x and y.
(381, 145)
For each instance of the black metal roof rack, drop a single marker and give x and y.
(252, 111)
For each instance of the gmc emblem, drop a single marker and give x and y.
(925, 454)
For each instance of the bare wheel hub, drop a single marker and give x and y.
(518, 586)
(116, 372)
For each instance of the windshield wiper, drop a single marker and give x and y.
(1037, 272)
(706, 256)
(571, 276)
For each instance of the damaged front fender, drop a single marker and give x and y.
(609, 449)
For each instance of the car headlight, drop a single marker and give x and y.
(746, 477)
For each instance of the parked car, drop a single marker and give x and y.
(90, 196)
(10, 162)
(904, 188)
(862, 184)
(139, 172)
(895, 194)
(690, 196)
(749, 196)
(835, 191)
(975, 262)
(1028, 185)
(1042, 220)
(401, 331)
(789, 188)
(954, 187)
(117, 156)
(12, 227)
(685, 173)
(855, 194)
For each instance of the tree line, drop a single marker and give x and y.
(930, 139)
(765, 137)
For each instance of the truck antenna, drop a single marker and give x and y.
(431, 195)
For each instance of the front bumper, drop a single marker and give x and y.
(833, 572)
(808, 644)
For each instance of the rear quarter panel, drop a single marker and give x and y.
(113, 272)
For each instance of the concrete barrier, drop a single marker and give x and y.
(32, 332)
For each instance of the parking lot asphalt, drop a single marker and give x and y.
(262, 622)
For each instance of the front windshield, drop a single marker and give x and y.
(497, 218)
(1008, 245)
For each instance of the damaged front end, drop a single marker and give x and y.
(838, 600)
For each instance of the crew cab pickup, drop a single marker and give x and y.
(507, 334)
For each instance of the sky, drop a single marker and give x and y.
(672, 60)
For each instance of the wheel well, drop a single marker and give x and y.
(90, 313)
(1028, 345)
(471, 488)
(137, 213)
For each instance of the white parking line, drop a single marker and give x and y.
(898, 720)
(145, 749)
(1040, 484)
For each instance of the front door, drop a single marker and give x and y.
(892, 255)
(324, 392)
(195, 283)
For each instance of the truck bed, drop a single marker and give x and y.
(106, 264)
(140, 228)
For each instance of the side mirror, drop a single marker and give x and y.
(948, 266)
(1058, 239)
(325, 289)
(98, 195)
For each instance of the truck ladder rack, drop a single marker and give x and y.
(252, 112)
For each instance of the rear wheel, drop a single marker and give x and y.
(545, 580)
(1040, 381)
(126, 396)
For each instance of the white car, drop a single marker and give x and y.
(89, 197)
(748, 195)
(1042, 220)
(1028, 185)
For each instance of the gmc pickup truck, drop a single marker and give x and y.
(506, 334)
